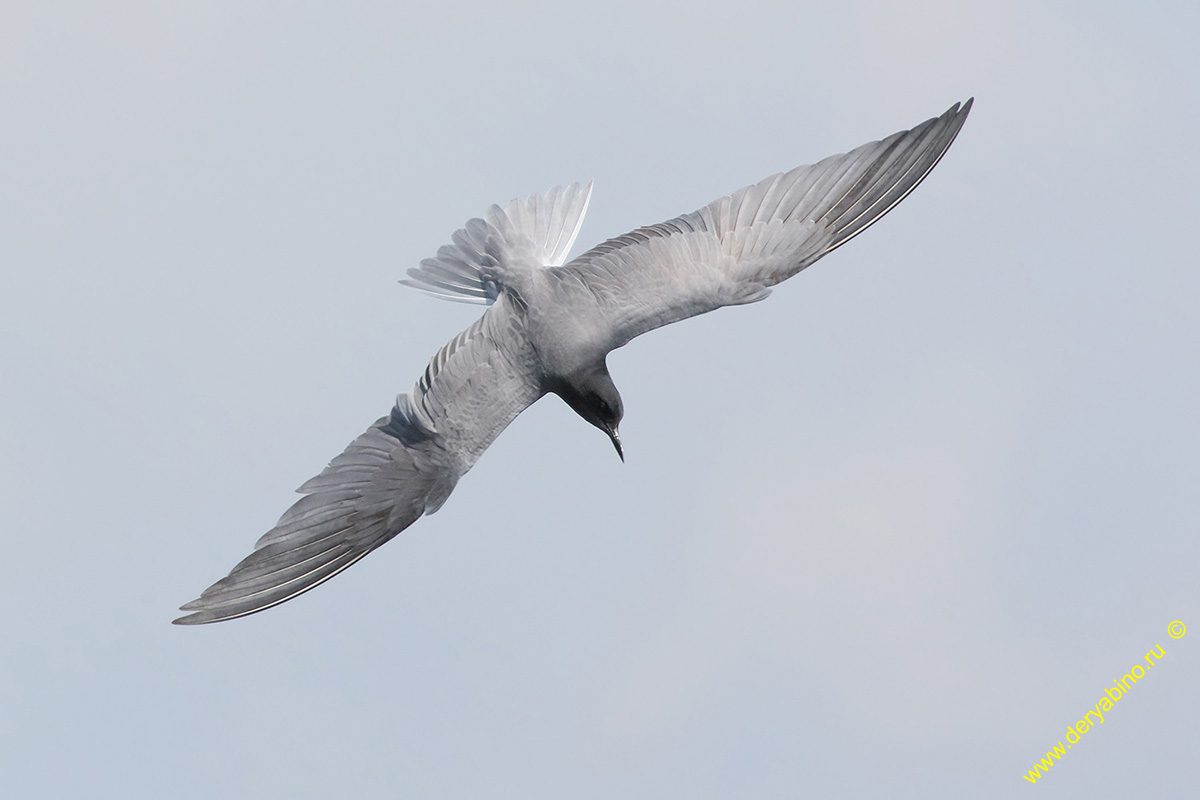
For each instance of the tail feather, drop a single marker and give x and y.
(541, 228)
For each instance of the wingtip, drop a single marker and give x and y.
(189, 619)
(205, 616)
(193, 618)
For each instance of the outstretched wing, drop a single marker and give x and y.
(531, 233)
(735, 248)
(405, 465)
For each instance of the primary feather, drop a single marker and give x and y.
(548, 329)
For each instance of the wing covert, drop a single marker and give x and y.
(735, 248)
(403, 466)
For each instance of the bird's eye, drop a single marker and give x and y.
(602, 407)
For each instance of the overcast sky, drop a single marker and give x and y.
(886, 534)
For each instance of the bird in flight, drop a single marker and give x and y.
(548, 329)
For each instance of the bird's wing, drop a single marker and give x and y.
(405, 465)
(530, 233)
(735, 248)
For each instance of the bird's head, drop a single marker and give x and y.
(593, 395)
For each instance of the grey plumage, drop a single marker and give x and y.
(548, 328)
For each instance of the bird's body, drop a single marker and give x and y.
(548, 329)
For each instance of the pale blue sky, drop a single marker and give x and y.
(884, 535)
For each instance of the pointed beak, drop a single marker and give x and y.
(616, 440)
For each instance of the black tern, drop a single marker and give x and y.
(548, 329)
